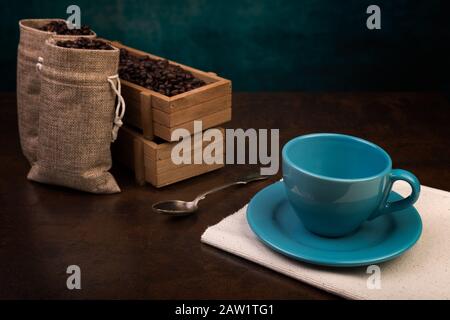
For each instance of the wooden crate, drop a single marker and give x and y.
(151, 161)
(158, 115)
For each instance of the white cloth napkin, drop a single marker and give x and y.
(423, 272)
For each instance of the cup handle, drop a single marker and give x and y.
(388, 206)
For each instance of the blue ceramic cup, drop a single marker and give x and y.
(335, 182)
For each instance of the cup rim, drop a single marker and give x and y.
(291, 142)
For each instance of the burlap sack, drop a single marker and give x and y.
(30, 48)
(77, 112)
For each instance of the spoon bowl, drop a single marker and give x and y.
(175, 207)
(184, 208)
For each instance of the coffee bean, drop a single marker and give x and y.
(60, 27)
(157, 75)
(84, 43)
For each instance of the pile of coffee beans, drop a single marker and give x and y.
(156, 75)
(60, 27)
(84, 43)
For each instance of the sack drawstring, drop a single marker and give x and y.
(39, 64)
(120, 107)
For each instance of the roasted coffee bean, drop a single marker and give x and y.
(60, 27)
(84, 43)
(157, 75)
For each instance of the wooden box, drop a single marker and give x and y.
(159, 115)
(151, 161)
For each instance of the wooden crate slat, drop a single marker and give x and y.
(168, 166)
(163, 151)
(195, 112)
(199, 95)
(166, 163)
(208, 121)
(184, 173)
(139, 154)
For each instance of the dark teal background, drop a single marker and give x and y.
(268, 45)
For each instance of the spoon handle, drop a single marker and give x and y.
(245, 180)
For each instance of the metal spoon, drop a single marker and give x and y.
(183, 208)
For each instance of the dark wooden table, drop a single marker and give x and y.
(126, 251)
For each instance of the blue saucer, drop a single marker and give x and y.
(271, 217)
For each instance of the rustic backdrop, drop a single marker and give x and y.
(267, 44)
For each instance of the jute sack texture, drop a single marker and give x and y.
(31, 45)
(76, 118)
